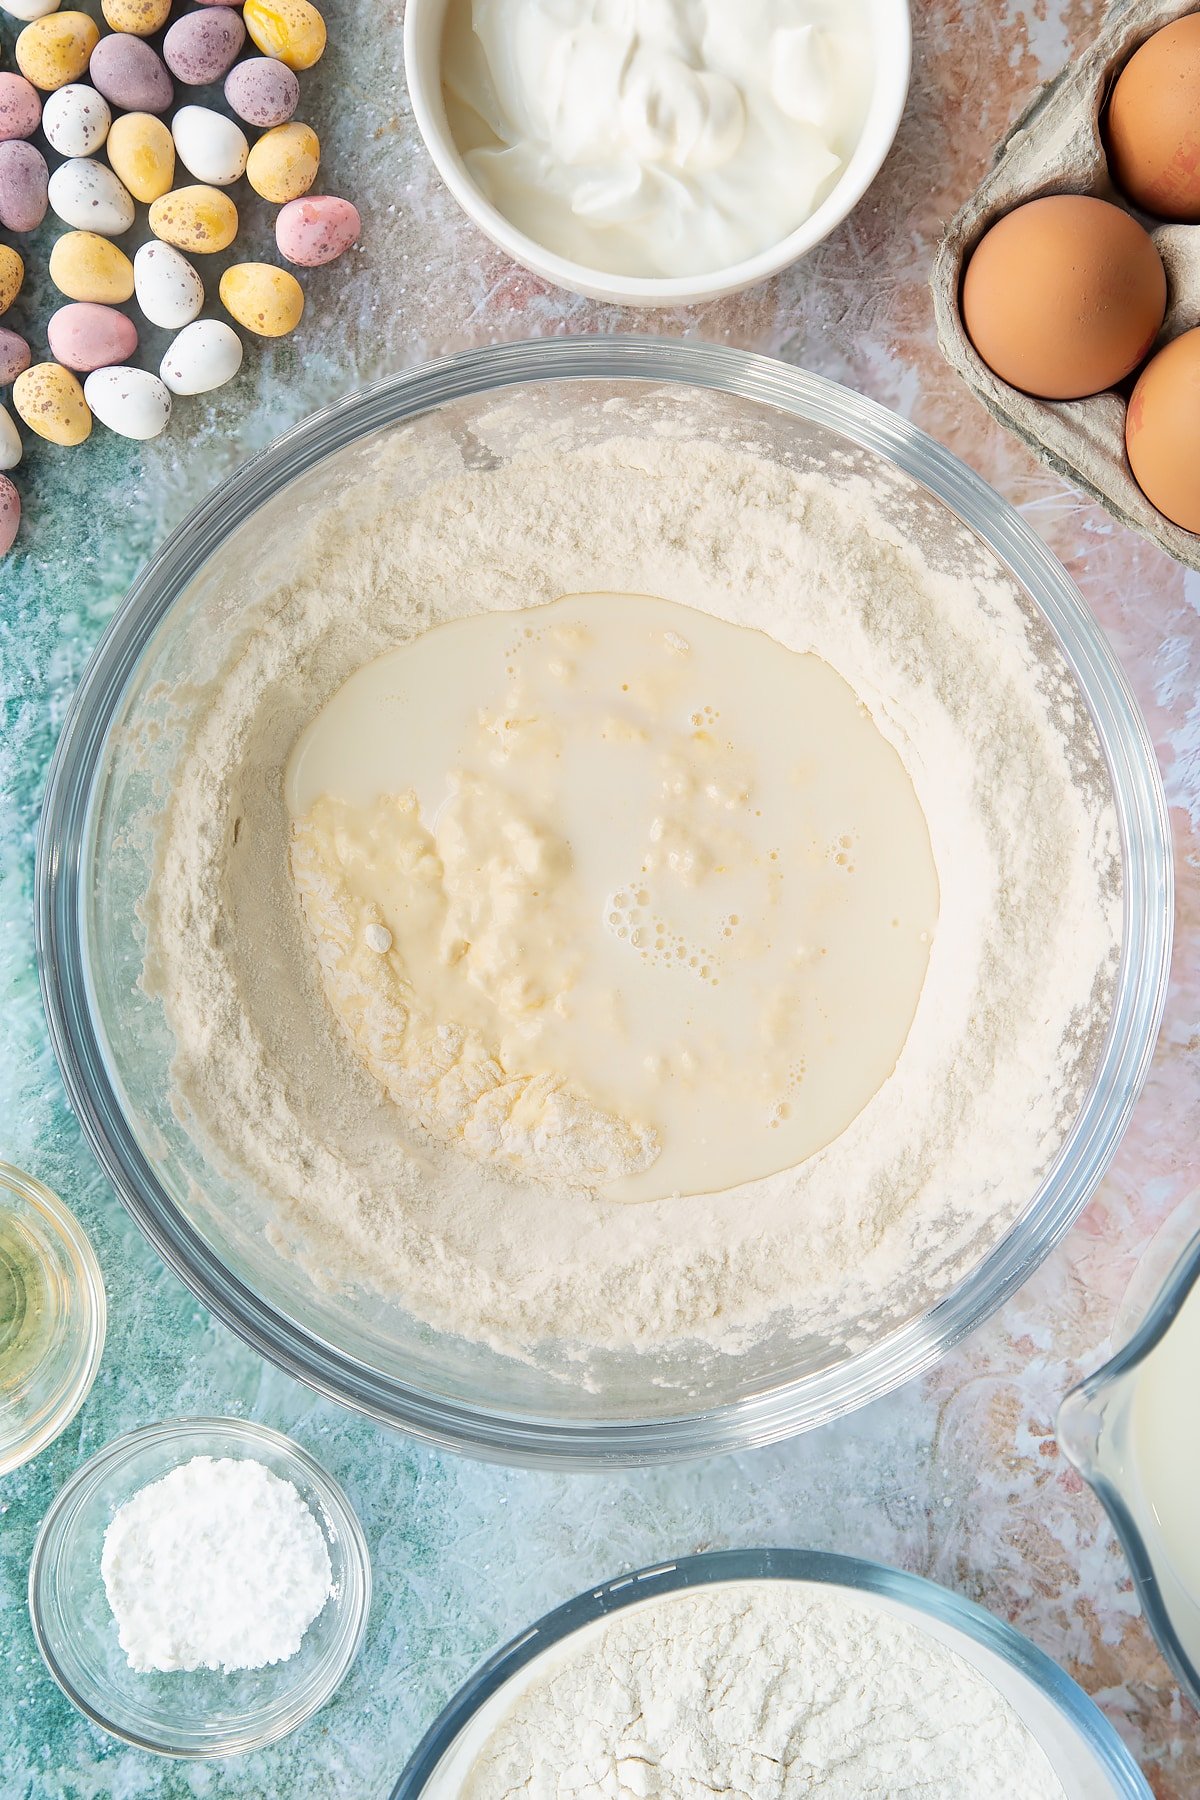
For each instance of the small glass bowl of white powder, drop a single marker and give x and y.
(127, 1635)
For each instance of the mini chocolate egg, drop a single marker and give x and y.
(210, 146)
(262, 91)
(1162, 431)
(51, 402)
(12, 274)
(84, 337)
(27, 10)
(200, 220)
(130, 74)
(86, 266)
(14, 355)
(142, 152)
(203, 46)
(142, 18)
(10, 514)
(168, 289)
(87, 196)
(10, 441)
(204, 356)
(291, 30)
(55, 49)
(76, 119)
(283, 163)
(20, 106)
(266, 300)
(132, 402)
(1152, 131)
(24, 180)
(316, 229)
(1064, 296)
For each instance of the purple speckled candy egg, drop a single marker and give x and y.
(316, 229)
(10, 514)
(262, 91)
(20, 106)
(85, 336)
(203, 46)
(24, 178)
(14, 355)
(130, 74)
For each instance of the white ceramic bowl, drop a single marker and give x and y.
(890, 29)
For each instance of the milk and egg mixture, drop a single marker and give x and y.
(615, 891)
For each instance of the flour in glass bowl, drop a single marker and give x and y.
(769, 1690)
(957, 674)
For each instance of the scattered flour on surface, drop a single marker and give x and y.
(759, 1691)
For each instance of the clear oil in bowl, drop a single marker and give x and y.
(52, 1317)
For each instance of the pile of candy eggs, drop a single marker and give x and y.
(122, 136)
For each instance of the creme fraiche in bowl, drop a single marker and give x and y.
(657, 155)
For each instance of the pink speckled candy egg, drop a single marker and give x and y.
(20, 106)
(14, 355)
(84, 336)
(316, 229)
(262, 91)
(10, 514)
(129, 73)
(24, 179)
(203, 46)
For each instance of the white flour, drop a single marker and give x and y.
(218, 1565)
(934, 1170)
(760, 1691)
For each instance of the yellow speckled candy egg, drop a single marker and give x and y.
(290, 30)
(142, 152)
(56, 49)
(141, 17)
(85, 266)
(263, 298)
(283, 164)
(51, 402)
(12, 274)
(197, 219)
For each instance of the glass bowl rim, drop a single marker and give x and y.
(788, 1406)
(1165, 1309)
(354, 1603)
(90, 1293)
(827, 1568)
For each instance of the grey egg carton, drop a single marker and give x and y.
(1056, 147)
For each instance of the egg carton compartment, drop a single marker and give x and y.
(1057, 147)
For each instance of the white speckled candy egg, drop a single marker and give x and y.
(10, 441)
(131, 402)
(27, 10)
(168, 289)
(205, 355)
(210, 146)
(76, 119)
(87, 196)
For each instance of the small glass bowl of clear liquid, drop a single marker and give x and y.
(52, 1316)
(1133, 1431)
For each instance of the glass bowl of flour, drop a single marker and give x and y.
(279, 1102)
(750, 1670)
(140, 1679)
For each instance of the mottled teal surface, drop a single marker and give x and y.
(956, 1477)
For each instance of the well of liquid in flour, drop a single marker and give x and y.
(612, 886)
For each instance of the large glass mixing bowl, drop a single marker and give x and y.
(115, 1047)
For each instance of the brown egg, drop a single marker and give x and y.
(1153, 125)
(1162, 431)
(1064, 296)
